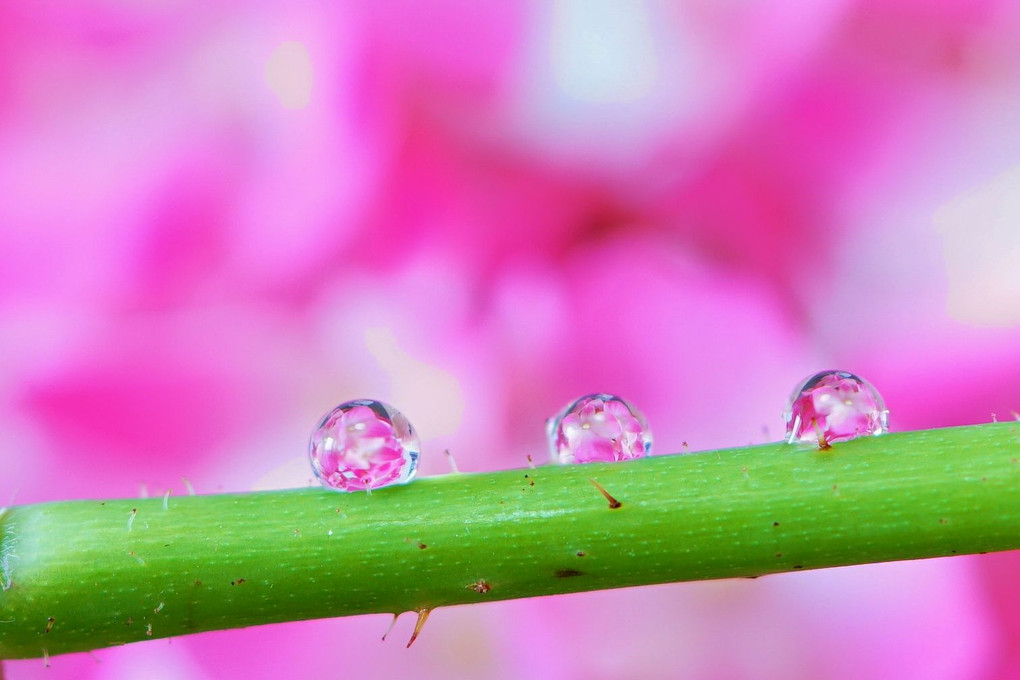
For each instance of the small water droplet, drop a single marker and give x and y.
(834, 406)
(363, 445)
(598, 428)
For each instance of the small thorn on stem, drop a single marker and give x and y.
(423, 616)
(687, 449)
(1016, 415)
(131, 517)
(613, 503)
(453, 463)
(166, 500)
(531, 463)
(187, 485)
(823, 444)
(389, 628)
(45, 658)
(143, 490)
(49, 624)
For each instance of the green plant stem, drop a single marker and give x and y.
(86, 574)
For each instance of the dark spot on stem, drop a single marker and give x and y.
(129, 621)
(751, 577)
(198, 584)
(779, 554)
(580, 553)
(943, 520)
(798, 566)
(775, 524)
(568, 573)
(237, 582)
(480, 586)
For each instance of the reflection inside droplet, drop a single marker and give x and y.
(362, 445)
(598, 428)
(834, 406)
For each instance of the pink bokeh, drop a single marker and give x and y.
(219, 220)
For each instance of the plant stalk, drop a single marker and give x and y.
(81, 575)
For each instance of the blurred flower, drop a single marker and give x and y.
(217, 221)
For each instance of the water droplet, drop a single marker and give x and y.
(598, 428)
(362, 445)
(834, 406)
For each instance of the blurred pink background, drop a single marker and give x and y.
(218, 220)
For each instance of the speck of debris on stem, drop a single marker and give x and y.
(580, 553)
(237, 582)
(480, 586)
(568, 573)
(775, 524)
(798, 566)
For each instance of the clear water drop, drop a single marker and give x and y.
(834, 406)
(362, 445)
(598, 428)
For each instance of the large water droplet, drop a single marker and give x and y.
(362, 445)
(834, 406)
(598, 428)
